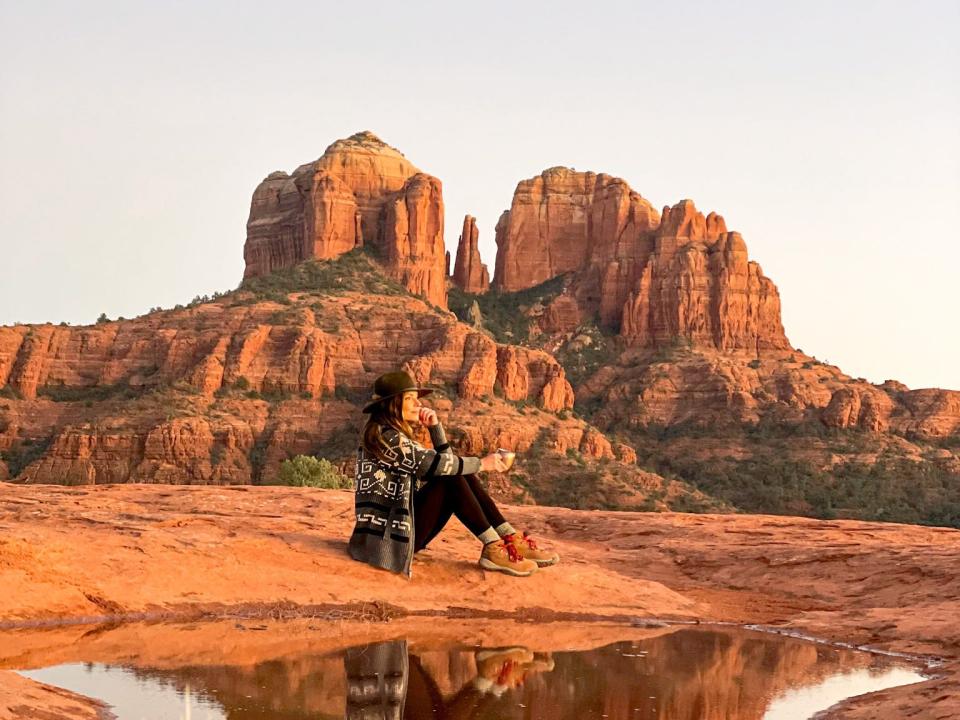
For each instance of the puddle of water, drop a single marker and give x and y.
(682, 674)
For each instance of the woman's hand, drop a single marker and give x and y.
(428, 417)
(494, 462)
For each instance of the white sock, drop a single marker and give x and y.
(488, 536)
(504, 529)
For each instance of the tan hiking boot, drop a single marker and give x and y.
(530, 550)
(504, 557)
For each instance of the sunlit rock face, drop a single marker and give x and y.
(217, 392)
(360, 191)
(653, 276)
(469, 273)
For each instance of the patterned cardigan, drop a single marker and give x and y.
(384, 532)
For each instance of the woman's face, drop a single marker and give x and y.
(411, 406)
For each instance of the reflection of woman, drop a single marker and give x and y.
(498, 671)
(406, 493)
(385, 683)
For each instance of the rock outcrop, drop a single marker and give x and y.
(861, 407)
(216, 392)
(704, 291)
(563, 221)
(655, 278)
(470, 273)
(360, 191)
(412, 244)
(708, 387)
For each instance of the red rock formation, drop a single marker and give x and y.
(413, 238)
(360, 190)
(219, 391)
(707, 386)
(175, 396)
(704, 291)
(654, 278)
(562, 221)
(562, 315)
(179, 452)
(858, 406)
(469, 273)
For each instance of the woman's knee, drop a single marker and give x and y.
(472, 480)
(459, 483)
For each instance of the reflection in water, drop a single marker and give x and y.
(685, 674)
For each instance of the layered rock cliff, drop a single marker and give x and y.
(211, 392)
(654, 278)
(360, 191)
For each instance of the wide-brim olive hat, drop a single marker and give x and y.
(392, 384)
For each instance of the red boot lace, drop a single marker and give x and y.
(531, 543)
(512, 551)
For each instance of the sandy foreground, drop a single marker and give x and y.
(135, 553)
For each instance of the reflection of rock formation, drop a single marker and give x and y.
(289, 689)
(686, 675)
(683, 675)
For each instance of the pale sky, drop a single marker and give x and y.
(132, 135)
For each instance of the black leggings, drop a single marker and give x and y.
(460, 495)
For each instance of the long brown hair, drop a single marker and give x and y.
(388, 414)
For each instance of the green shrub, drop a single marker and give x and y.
(90, 393)
(773, 479)
(501, 311)
(23, 453)
(581, 363)
(352, 271)
(307, 471)
(10, 393)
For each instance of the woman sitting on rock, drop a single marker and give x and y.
(406, 493)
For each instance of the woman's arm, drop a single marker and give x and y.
(441, 460)
(427, 463)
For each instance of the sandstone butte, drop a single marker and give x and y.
(361, 191)
(226, 560)
(652, 276)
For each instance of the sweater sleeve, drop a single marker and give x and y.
(427, 463)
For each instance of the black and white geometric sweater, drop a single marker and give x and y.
(384, 531)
